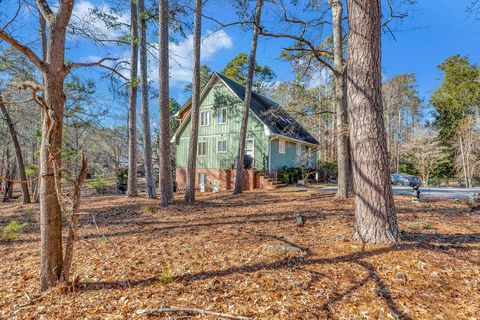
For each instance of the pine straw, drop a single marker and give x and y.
(244, 255)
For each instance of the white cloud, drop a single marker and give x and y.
(181, 54)
(112, 27)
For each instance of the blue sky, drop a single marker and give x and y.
(433, 31)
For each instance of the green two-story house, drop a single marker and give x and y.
(274, 138)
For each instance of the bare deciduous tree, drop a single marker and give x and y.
(425, 152)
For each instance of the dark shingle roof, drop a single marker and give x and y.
(270, 112)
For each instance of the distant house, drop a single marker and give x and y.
(274, 138)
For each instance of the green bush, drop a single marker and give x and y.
(290, 175)
(122, 176)
(327, 170)
(12, 230)
(100, 185)
(32, 170)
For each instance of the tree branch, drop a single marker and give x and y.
(309, 44)
(72, 66)
(26, 51)
(45, 10)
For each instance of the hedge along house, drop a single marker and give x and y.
(274, 138)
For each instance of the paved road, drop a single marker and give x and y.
(435, 193)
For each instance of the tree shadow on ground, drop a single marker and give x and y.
(442, 243)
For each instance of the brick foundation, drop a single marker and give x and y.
(226, 179)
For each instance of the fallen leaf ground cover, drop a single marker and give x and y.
(244, 255)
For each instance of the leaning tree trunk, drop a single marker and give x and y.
(165, 185)
(9, 176)
(132, 105)
(192, 147)
(246, 101)
(374, 206)
(18, 153)
(343, 150)
(147, 138)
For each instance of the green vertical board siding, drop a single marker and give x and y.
(290, 158)
(219, 97)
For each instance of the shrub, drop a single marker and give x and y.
(290, 175)
(12, 230)
(327, 170)
(122, 176)
(166, 276)
(100, 185)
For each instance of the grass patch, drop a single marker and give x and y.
(423, 225)
(150, 208)
(12, 230)
(166, 276)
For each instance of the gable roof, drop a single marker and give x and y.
(269, 112)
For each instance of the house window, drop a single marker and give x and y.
(250, 148)
(299, 149)
(221, 145)
(205, 118)
(222, 116)
(202, 148)
(281, 146)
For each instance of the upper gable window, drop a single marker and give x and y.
(222, 116)
(281, 146)
(205, 118)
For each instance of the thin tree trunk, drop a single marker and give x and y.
(246, 101)
(73, 220)
(9, 175)
(464, 166)
(147, 137)
(374, 206)
(165, 185)
(43, 38)
(195, 109)
(343, 153)
(18, 153)
(132, 104)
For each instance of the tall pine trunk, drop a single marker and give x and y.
(165, 185)
(147, 137)
(195, 109)
(18, 153)
(132, 104)
(247, 99)
(375, 214)
(343, 150)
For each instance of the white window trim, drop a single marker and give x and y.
(226, 144)
(198, 149)
(299, 150)
(226, 115)
(282, 146)
(208, 118)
